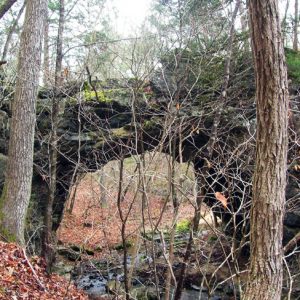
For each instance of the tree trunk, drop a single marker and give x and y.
(17, 189)
(245, 27)
(269, 182)
(48, 251)
(284, 23)
(46, 63)
(295, 42)
(6, 6)
(175, 202)
(201, 192)
(103, 192)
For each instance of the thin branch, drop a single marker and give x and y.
(293, 242)
(33, 271)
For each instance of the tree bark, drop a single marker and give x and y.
(295, 41)
(6, 6)
(48, 251)
(46, 62)
(17, 189)
(269, 181)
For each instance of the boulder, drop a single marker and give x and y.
(292, 219)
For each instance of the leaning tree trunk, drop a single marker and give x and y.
(17, 189)
(11, 31)
(6, 6)
(269, 182)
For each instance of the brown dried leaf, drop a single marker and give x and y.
(220, 197)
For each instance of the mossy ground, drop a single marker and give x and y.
(293, 64)
(101, 96)
(183, 226)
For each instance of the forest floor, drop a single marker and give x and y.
(99, 226)
(26, 278)
(95, 221)
(95, 225)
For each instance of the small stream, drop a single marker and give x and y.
(94, 284)
(104, 277)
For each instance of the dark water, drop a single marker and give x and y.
(94, 284)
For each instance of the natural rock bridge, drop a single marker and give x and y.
(115, 120)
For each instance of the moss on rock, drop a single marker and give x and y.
(3, 161)
(120, 132)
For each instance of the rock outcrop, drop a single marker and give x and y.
(129, 119)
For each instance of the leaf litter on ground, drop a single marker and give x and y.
(26, 278)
